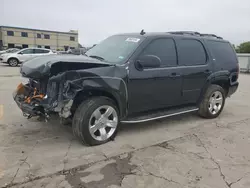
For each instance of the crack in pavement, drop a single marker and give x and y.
(212, 159)
(82, 167)
(63, 172)
(25, 161)
(14, 177)
(164, 178)
(111, 173)
(144, 172)
(173, 149)
(66, 154)
(238, 179)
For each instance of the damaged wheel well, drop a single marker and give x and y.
(81, 96)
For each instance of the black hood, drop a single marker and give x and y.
(41, 67)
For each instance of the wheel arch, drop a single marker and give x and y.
(13, 58)
(85, 94)
(221, 80)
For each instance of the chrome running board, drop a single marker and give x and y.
(141, 120)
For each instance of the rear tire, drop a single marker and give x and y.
(213, 102)
(96, 121)
(13, 62)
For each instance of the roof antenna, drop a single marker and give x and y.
(142, 32)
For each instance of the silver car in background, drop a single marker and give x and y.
(15, 58)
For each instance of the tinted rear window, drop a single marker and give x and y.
(222, 51)
(191, 52)
(41, 51)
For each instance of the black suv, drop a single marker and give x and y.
(131, 78)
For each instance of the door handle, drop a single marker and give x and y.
(207, 71)
(174, 75)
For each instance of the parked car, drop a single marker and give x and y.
(17, 57)
(77, 51)
(10, 50)
(131, 78)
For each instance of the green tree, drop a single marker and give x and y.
(243, 47)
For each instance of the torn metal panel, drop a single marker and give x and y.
(61, 79)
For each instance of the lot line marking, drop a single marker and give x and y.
(1, 111)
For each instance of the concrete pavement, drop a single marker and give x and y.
(182, 151)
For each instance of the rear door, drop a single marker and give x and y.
(193, 61)
(41, 52)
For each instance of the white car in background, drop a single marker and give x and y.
(13, 59)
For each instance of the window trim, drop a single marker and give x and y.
(152, 40)
(24, 32)
(11, 32)
(46, 35)
(25, 45)
(73, 38)
(11, 44)
(46, 51)
(201, 42)
(39, 35)
(28, 49)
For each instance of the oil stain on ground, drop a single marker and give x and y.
(102, 175)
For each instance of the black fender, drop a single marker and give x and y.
(112, 87)
(216, 77)
(70, 85)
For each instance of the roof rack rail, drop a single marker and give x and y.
(194, 33)
(211, 35)
(185, 33)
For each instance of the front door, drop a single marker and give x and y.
(26, 54)
(151, 89)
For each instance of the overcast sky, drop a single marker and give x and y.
(97, 19)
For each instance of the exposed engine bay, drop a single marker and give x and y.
(29, 97)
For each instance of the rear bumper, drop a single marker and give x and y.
(232, 89)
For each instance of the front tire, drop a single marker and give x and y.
(213, 102)
(13, 62)
(96, 121)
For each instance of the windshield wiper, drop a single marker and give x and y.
(97, 57)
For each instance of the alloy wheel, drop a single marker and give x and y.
(103, 123)
(215, 102)
(13, 62)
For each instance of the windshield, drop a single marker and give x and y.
(115, 49)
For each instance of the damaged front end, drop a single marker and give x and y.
(54, 83)
(28, 98)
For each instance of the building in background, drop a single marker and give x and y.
(17, 37)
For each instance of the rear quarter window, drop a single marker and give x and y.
(191, 52)
(222, 52)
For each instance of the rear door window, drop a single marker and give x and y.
(164, 48)
(190, 52)
(222, 51)
(41, 51)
